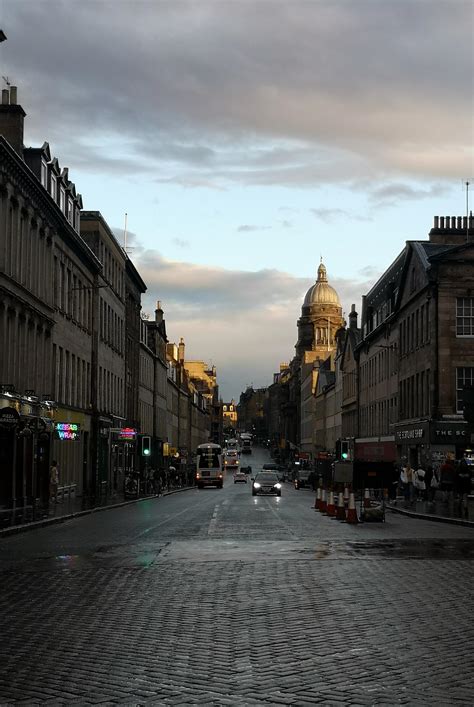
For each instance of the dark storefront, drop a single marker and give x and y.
(432, 441)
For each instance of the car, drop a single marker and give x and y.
(240, 475)
(302, 479)
(277, 468)
(266, 483)
(231, 459)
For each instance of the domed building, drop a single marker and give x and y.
(321, 318)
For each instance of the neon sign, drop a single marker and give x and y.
(127, 433)
(68, 431)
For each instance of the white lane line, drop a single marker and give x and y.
(213, 522)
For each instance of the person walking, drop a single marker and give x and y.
(53, 481)
(409, 476)
(420, 483)
(463, 485)
(434, 483)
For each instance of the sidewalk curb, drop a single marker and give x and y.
(426, 516)
(16, 529)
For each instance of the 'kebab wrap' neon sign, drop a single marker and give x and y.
(68, 431)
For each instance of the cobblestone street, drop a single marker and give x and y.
(215, 597)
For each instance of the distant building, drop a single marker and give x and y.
(229, 415)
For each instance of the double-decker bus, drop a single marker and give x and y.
(209, 466)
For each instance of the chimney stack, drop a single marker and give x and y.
(181, 348)
(12, 119)
(158, 313)
(353, 317)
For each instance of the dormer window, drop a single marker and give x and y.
(70, 211)
(62, 199)
(44, 174)
(54, 187)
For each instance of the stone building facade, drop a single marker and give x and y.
(47, 279)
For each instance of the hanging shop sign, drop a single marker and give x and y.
(9, 417)
(67, 431)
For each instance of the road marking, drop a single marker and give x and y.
(213, 522)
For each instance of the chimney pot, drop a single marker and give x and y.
(5, 96)
(441, 222)
(436, 221)
(13, 95)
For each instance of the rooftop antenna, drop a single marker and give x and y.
(467, 210)
(7, 80)
(125, 233)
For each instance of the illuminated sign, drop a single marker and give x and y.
(129, 433)
(70, 431)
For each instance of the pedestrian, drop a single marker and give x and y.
(447, 474)
(434, 483)
(420, 483)
(53, 481)
(463, 485)
(409, 476)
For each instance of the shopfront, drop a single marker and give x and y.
(71, 448)
(25, 441)
(432, 441)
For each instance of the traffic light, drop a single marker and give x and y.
(146, 446)
(468, 403)
(344, 449)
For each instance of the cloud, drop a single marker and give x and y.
(214, 93)
(245, 322)
(246, 228)
(393, 193)
(331, 215)
(181, 242)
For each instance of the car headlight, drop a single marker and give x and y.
(256, 485)
(277, 486)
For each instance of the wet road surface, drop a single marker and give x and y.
(218, 597)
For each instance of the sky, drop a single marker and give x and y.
(247, 139)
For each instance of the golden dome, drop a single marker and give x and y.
(321, 292)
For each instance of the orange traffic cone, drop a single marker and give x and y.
(331, 508)
(341, 509)
(317, 502)
(351, 511)
(367, 498)
(323, 504)
(346, 496)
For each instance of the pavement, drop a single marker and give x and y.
(442, 511)
(73, 507)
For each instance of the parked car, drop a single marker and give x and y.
(266, 483)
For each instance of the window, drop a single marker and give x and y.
(464, 377)
(62, 199)
(465, 316)
(44, 174)
(54, 187)
(70, 211)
